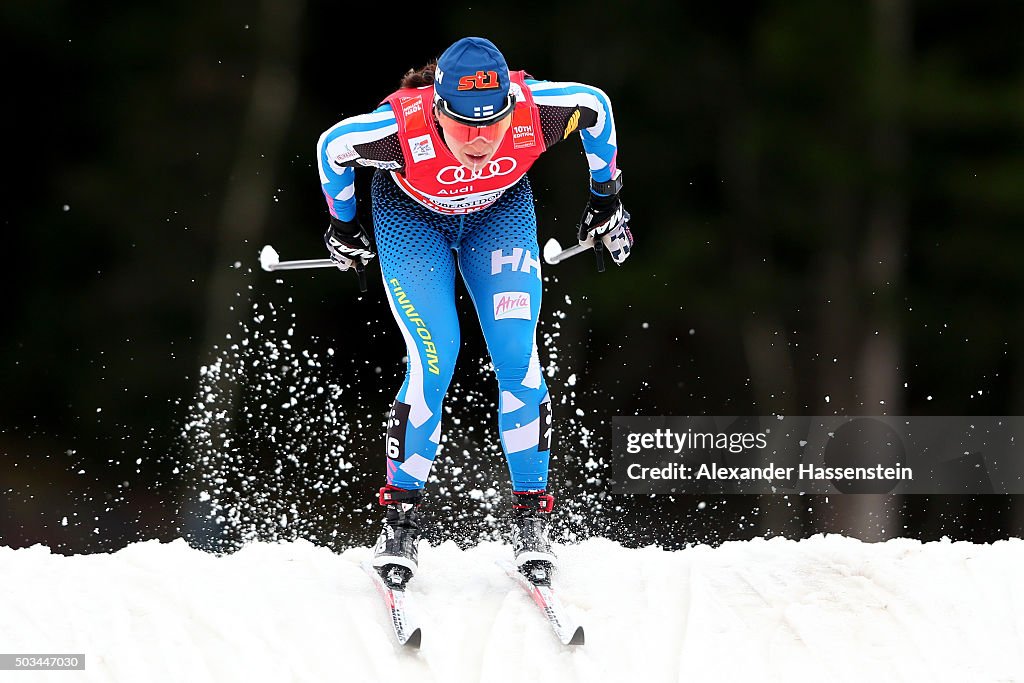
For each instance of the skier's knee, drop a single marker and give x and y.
(517, 363)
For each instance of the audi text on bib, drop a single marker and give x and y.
(436, 179)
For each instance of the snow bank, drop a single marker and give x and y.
(828, 608)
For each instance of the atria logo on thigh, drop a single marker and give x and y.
(512, 305)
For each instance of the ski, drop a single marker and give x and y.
(403, 616)
(567, 630)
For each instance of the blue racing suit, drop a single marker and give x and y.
(494, 249)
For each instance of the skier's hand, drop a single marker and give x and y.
(606, 219)
(348, 244)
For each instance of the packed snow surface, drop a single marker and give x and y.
(829, 608)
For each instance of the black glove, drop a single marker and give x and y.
(348, 244)
(605, 219)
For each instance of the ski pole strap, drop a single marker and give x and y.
(392, 494)
(533, 500)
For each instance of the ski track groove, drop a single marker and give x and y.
(907, 614)
(498, 618)
(686, 611)
(784, 619)
(810, 585)
(365, 595)
(892, 605)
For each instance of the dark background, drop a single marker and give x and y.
(826, 200)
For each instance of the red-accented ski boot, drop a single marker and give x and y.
(531, 511)
(396, 553)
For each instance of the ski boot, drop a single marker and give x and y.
(531, 512)
(396, 552)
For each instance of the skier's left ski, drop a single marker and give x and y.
(403, 618)
(567, 630)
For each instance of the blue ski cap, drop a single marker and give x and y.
(471, 83)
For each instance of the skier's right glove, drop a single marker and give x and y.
(348, 244)
(606, 219)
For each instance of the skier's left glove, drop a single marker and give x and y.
(606, 219)
(348, 244)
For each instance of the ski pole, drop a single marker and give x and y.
(270, 261)
(553, 252)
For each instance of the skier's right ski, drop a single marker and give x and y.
(403, 618)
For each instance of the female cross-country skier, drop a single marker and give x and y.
(453, 146)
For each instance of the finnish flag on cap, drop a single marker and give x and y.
(471, 82)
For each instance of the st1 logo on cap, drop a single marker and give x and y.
(481, 80)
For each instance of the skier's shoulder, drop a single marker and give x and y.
(369, 139)
(566, 106)
(381, 120)
(559, 99)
